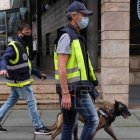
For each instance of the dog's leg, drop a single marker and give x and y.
(102, 123)
(109, 130)
(75, 132)
(52, 127)
(94, 135)
(57, 132)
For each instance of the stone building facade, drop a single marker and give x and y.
(115, 49)
(109, 43)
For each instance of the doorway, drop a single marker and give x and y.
(134, 92)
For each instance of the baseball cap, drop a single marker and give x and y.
(78, 7)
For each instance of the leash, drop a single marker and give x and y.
(99, 102)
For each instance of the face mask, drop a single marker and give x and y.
(27, 38)
(84, 22)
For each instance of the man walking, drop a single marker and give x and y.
(15, 64)
(74, 74)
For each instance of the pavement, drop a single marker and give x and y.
(134, 95)
(20, 127)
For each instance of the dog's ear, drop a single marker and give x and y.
(116, 102)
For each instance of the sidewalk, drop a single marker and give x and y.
(20, 127)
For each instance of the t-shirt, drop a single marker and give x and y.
(63, 46)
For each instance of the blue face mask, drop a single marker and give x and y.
(84, 22)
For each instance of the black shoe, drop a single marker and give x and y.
(42, 131)
(2, 129)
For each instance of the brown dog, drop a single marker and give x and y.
(107, 114)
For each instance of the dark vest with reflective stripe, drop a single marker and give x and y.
(80, 85)
(19, 71)
(74, 35)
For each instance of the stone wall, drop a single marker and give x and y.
(115, 49)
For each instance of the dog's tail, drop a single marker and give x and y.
(55, 125)
(52, 127)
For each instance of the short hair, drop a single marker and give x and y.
(22, 26)
(69, 16)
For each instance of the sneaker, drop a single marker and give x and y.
(2, 129)
(42, 131)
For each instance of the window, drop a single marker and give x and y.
(8, 20)
(3, 31)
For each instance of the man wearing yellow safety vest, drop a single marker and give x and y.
(16, 65)
(74, 74)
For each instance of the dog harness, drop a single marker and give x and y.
(102, 112)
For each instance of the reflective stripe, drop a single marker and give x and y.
(18, 66)
(79, 58)
(92, 74)
(70, 75)
(30, 66)
(29, 62)
(75, 79)
(76, 69)
(27, 49)
(11, 83)
(17, 53)
(69, 70)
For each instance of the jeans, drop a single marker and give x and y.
(82, 104)
(27, 94)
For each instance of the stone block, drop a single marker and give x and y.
(41, 96)
(119, 1)
(119, 97)
(44, 88)
(115, 49)
(113, 76)
(116, 1)
(4, 88)
(131, 78)
(123, 7)
(115, 62)
(115, 21)
(137, 78)
(107, 35)
(115, 89)
(103, 1)
(134, 63)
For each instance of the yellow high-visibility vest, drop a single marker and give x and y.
(76, 70)
(11, 83)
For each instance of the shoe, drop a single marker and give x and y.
(42, 131)
(2, 129)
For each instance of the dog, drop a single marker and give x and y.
(107, 115)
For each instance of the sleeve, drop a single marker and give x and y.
(63, 46)
(8, 54)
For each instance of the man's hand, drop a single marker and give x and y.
(43, 76)
(66, 101)
(4, 72)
